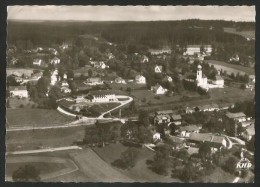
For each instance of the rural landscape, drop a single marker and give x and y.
(130, 101)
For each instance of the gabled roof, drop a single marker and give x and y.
(204, 137)
(190, 128)
(164, 112)
(16, 88)
(176, 117)
(139, 76)
(235, 115)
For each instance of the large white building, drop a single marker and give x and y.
(19, 91)
(158, 89)
(54, 77)
(103, 96)
(94, 81)
(196, 49)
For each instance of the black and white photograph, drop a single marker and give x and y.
(130, 94)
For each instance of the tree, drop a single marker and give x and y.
(144, 135)
(129, 156)
(144, 117)
(230, 165)
(90, 73)
(251, 144)
(205, 150)
(43, 85)
(70, 74)
(26, 173)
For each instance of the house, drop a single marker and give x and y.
(55, 60)
(144, 59)
(94, 81)
(37, 62)
(36, 76)
(248, 123)
(207, 108)
(196, 49)
(20, 91)
(140, 79)
(237, 117)
(189, 110)
(156, 137)
(234, 58)
(18, 79)
(167, 78)
(14, 61)
(185, 131)
(65, 90)
(159, 119)
(216, 142)
(158, 89)
(158, 69)
(249, 132)
(100, 65)
(120, 80)
(176, 119)
(110, 56)
(103, 96)
(164, 112)
(219, 81)
(160, 51)
(64, 83)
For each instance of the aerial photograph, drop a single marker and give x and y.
(130, 94)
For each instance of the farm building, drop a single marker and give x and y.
(55, 60)
(139, 79)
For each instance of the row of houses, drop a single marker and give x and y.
(40, 62)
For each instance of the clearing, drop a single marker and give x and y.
(231, 68)
(247, 34)
(29, 117)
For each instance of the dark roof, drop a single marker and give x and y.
(176, 117)
(235, 115)
(13, 88)
(206, 137)
(106, 92)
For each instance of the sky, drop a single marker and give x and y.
(131, 13)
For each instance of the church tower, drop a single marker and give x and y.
(199, 74)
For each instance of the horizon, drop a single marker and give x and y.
(130, 13)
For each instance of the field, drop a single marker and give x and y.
(218, 176)
(35, 139)
(103, 107)
(146, 96)
(49, 167)
(140, 172)
(231, 68)
(21, 103)
(19, 71)
(34, 117)
(246, 34)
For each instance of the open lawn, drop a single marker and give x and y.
(15, 102)
(49, 167)
(246, 34)
(140, 172)
(35, 139)
(29, 117)
(103, 107)
(219, 176)
(231, 68)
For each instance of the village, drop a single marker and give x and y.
(170, 100)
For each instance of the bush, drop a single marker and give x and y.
(21, 106)
(157, 97)
(244, 173)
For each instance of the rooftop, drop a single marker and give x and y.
(164, 112)
(235, 115)
(206, 137)
(176, 117)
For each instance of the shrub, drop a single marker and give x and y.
(157, 97)
(21, 106)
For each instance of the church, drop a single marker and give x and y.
(202, 80)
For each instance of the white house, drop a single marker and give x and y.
(55, 60)
(19, 91)
(103, 96)
(144, 59)
(167, 78)
(65, 76)
(65, 90)
(158, 69)
(160, 51)
(54, 77)
(158, 89)
(120, 80)
(94, 81)
(156, 137)
(64, 83)
(37, 62)
(249, 132)
(238, 117)
(185, 131)
(218, 81)
(100, 64)
(139, 79)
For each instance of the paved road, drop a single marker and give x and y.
(43, 150)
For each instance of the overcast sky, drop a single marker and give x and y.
(131, 13)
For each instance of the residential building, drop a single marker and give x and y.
(120, 80)
(237, 117)
(185, 131)
(55, 60)
(94, 81)
(167, 78)
(159, 119)
(19, 91)
(215, 142)
(100, 65)
(176, 119)
(156, 137)
(196, 49)
(65, 90)
(158, 69)
(207, 108)
(37, 62)
(64, 83)
(54, 77)
(248, 123)
(160, 51)
(36, 76)
(164, 112)
(140, 79)
(189, 110)
(144, 59)
(249, 132)
(219, 81)
(158, 89)
(103, 96)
